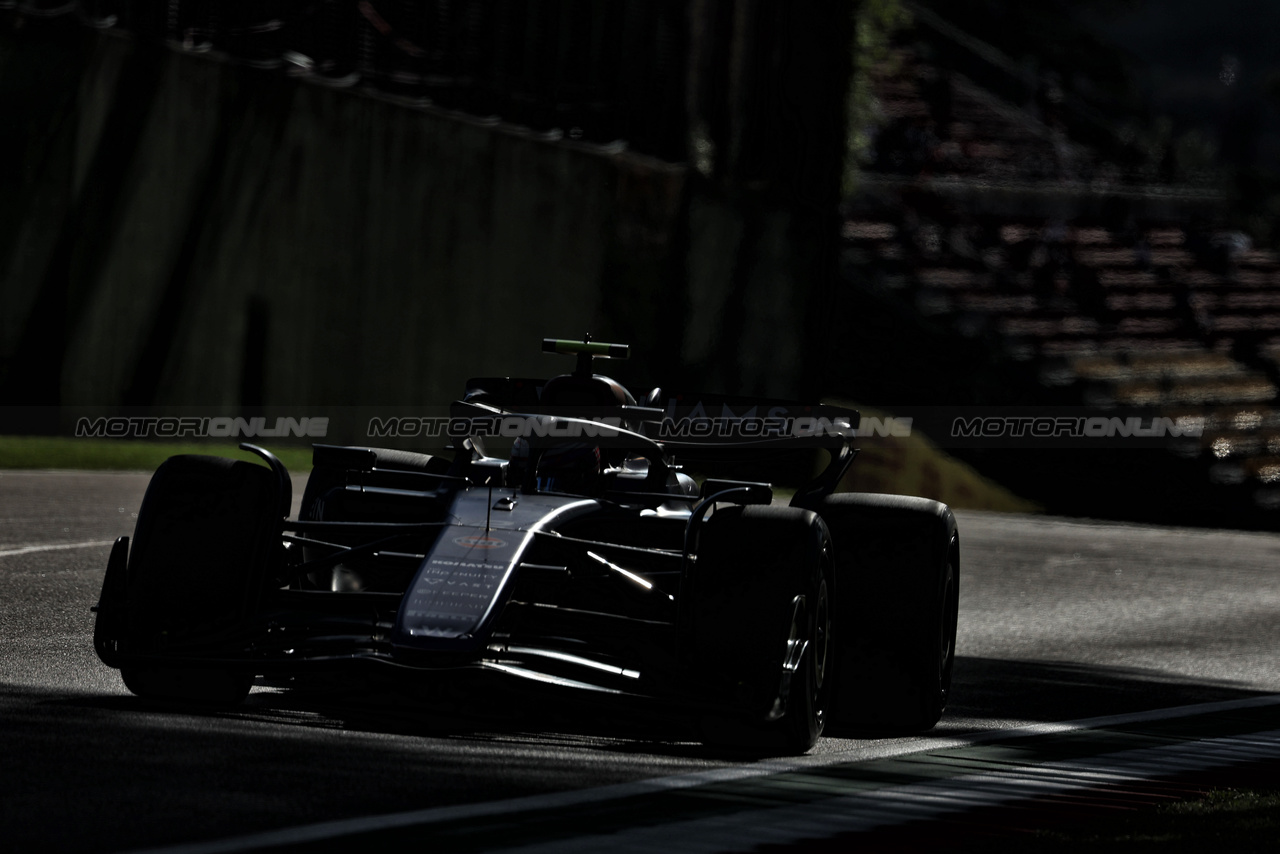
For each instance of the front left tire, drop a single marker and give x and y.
(178, 601)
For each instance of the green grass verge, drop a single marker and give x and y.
(1226, 819)
(41, 452)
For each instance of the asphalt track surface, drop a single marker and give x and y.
(1060, 621)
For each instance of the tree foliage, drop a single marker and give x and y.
(875, 24)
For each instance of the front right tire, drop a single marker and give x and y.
(760, 628)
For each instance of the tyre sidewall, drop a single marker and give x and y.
(897, 610)
(754, 565)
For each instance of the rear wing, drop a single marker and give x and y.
(723, 428)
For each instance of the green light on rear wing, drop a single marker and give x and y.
(599, 349)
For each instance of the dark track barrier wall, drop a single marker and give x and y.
(189, 227)
(198, 232)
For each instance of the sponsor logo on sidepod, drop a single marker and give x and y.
(476, 542)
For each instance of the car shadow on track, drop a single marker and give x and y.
(77, 766)
(986, 693)
(290, 756)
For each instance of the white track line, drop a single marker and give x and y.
(23, 550)
(892, 805)
(1001, 782)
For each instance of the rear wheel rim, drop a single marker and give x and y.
(821, 637)
(821, 647)
(947, 627)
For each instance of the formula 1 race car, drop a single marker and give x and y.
(585, 560)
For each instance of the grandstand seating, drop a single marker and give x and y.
(1165, 315)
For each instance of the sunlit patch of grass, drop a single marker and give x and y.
(915, 465)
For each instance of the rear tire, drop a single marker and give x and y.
(898, 577)
(760, 627)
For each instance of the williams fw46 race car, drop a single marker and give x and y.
(584, 561)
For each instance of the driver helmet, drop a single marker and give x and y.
(518, 464)
(574, 468)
